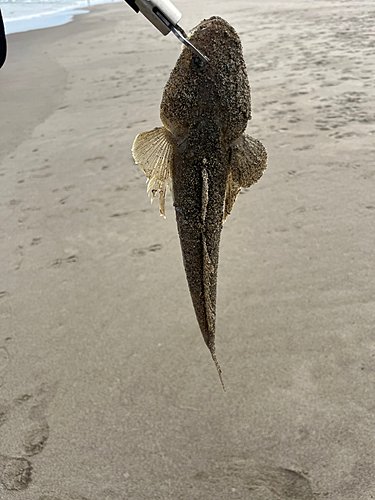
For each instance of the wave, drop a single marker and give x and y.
(26, 15)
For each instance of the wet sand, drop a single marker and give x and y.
(107, 389)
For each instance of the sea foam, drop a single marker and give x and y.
(26, 15)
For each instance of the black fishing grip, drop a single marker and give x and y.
(3, 42)
(132, 4)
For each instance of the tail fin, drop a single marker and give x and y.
(213, 355)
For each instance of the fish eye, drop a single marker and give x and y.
(197, 63)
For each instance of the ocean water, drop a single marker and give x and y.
(26, 15)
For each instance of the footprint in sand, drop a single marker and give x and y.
(140, 252)
(15, 473)
(24, 432)
(249, 479)
(97, 162)
(67, 260)
(4, 364)
(63, 497)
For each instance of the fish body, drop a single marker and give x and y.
(203, 155)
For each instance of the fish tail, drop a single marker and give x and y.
(208, 275)
(214, 358)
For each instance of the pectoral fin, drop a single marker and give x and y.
(247, 164)
(154, 152)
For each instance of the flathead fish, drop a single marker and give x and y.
(202, 153)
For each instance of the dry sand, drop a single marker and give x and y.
(107, 389)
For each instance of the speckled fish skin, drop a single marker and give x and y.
(205, 109)
(211, 110)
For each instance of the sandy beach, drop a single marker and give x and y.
(107, 391)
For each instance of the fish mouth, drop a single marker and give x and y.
(212, 22)
(210, 30)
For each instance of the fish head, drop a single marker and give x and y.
(213, 94)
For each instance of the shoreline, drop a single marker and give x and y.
(47, 20)
(52, 20)
(32, 79)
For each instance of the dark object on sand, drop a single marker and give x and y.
(203, 155)
(3, 42)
